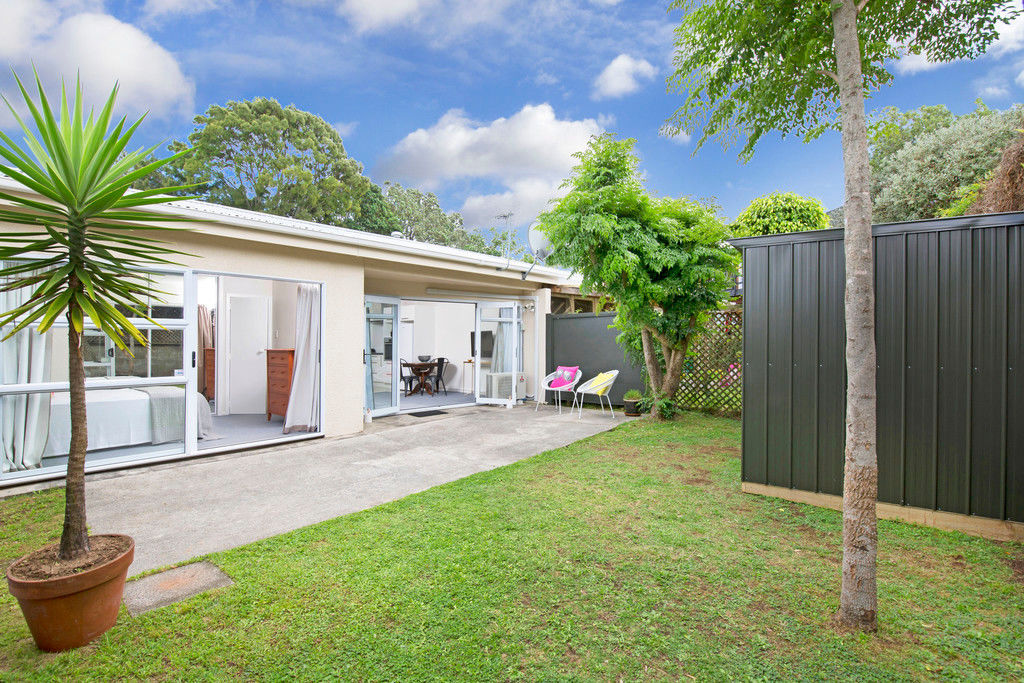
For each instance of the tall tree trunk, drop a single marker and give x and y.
(654, 372)
(858, 601)
(74, 540)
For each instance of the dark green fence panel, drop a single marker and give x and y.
(950, 359)
(584, 339)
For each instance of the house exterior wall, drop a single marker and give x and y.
(343, 331)
(349, 265)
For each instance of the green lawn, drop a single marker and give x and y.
(629, 555)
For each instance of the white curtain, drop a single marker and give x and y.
(303, 413)
(504, 344)
(25, 418)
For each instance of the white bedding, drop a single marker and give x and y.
(116, 418)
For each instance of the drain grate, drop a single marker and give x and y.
(429, 413)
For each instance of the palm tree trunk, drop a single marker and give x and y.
(74, 540)
(858, 601)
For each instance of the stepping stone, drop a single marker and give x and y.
(171, 586)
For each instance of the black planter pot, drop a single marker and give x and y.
(631, 408)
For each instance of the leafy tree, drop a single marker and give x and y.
(747, 68)
(1003, 189)
(780, 212)
(664, 261)
(82, 254)
(893, 129)
(934, 170)
(419, 216)
(374, 214)
(261, 156)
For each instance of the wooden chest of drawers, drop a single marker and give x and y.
(279, 380)
(210, 372)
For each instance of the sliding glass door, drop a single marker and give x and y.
(381, 366)
(498, 352)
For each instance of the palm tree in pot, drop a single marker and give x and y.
(80, 255)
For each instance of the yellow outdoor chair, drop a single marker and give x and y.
(598, 386)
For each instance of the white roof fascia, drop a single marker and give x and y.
(216, 213)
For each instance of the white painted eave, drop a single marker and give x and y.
(254, 220)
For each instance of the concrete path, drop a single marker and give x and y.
(180, 510)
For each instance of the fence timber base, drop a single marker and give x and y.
(995, 529)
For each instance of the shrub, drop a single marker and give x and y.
(928, 175)
(632, 395)
(1004, 191)
(780, 212)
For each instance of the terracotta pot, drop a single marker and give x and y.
(631, 408)
(70, 611)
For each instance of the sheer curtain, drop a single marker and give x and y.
(504, 344)
(303, 413)
(25, 418)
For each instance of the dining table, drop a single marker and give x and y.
(422, 371)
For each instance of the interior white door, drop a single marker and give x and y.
(248, 338)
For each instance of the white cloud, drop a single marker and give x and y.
(1011, 38)
(544, 78)
(606, 120)
(378, 14)
(433, 18)
(526, 199)
(994, 91)
(61, 40)
(680, 138)
(911, 64)
(345, 128)
(154, 9)
(622, 76)
(527, 154)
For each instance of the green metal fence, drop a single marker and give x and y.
(950, 343)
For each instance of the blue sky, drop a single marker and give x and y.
(480, 101)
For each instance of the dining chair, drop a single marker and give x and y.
(407, 380)
(442, 365)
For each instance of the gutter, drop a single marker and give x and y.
(215, 213)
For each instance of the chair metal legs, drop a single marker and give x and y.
(600, 399)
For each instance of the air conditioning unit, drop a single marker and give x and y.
(499, 385)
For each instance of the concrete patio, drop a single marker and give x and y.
(180, 510)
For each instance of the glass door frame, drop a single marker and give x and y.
(517, 322)
(395, 318)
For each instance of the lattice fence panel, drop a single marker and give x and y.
(713, 373)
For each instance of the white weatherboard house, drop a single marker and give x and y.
(276, 330)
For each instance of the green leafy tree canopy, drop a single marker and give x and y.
(261, 156)
(781, 212)
(934, 170)
(746, 68)
(664, 261)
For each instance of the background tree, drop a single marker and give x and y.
(780, 212)
(932, 171)
(747, 68)
(1003, 189)
(374, 214)
(82, 255)
(664, 261)
(419, 217)
(261, 156)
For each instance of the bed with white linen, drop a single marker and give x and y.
(125, 417)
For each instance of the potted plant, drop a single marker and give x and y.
(631, 402)
(80, 255)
